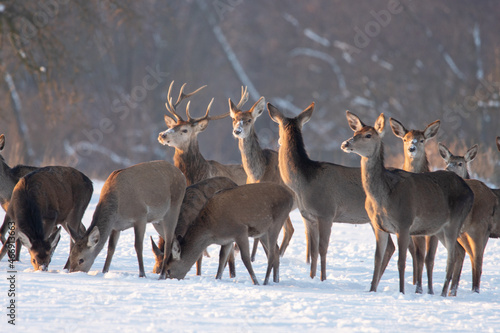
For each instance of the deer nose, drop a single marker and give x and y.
(345, 145)
(412, 149)
(237, 131)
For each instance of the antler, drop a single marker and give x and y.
(244, 97)
(172, 107)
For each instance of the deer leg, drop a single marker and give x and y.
(231, 262)
(418, 255)
(254, 249)
(403, 241)
(244, 246)
(19, 245)
(389, 251)
(198, 265)
(431, 248)
(478, 247)
(457, 270)
(225, 250)
(313, 233)
(380, 249)
(113, 239)
(139, 231)
(288, 231)
(452, 247)
(308, 242)
(325, 230)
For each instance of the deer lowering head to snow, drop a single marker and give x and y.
(482, 222)
(422, 248)
(325, 192)
(41, 200)
(261, 165)
(149, 192)
(195, 198)
(233, 215)
(405, 203)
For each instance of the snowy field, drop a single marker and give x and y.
(57, 301)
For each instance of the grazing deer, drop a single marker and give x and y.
(41, 200)
(416, 161)
(405, 203)
(8, 179)
(149, 192)
(325, 192)
(252, 210)
(195, 198)
(261, 165)
(482, 222)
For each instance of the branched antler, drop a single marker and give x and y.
(182, 96)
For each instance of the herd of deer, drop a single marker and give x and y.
(197, 202)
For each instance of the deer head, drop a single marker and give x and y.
(182, 132)
(84, 250)
(243, 121)
(458, 164)
(366, 140)
(414, 140)
(41, 251)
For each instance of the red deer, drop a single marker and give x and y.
(405, 203)
(41, 200)
(195, 198)
(149, 192)
(183, 136)
(261, 165)
(482, 222)
(416, 161)
(325, 192)
(233, 215)
(8, 179)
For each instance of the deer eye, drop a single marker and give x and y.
(368, 136)
(249, 121)
(184, 131)
(460, 164)
(81, 261)
(33, 261)
(422, 141)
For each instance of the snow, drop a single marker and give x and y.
(57, 301)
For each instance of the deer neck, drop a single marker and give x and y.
(374, 176)
(191, 162)
(294, 162)
(416, 165)
(103, 219)
(252, 156)
(8, 181)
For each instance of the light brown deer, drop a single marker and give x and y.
(40, 201)
(195, 198)
(422, 248)
(183, 136)
(150, 192)
(261, 165)
(325, 192)
(482, 221)
(233, 215)
(405, 203)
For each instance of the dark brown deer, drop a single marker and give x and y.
(405, 203)
(195, 198)
(41, 200)
(149, 192)
(422, 248)
(325, 192)
(233, 215)
(8, 179)
(482, 222)
(261, 165)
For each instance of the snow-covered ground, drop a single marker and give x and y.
(120, 301)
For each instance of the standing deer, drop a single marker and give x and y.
(41, 200)
(405, 203)
(482, 222)
(195, 198)
(252, 210)
(416, 161)
(183, 136)
(149, 192)
(325, 192)
(261, 165)
(8, 179)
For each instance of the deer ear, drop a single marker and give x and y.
(274, 113)
(24, 239)
(471, 154)
(232, 108)
(54, 238)
(432, 129)
(94, 237)
(380, 125)
(75, 236)
(258, 108)
(169, 121)
(157, 252)
(176, 250)
(354, 122)
(397, 128)
(201, 125)
(444, 152)
(305, 115)
(2, 141)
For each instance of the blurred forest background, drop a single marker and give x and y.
(84, 82)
